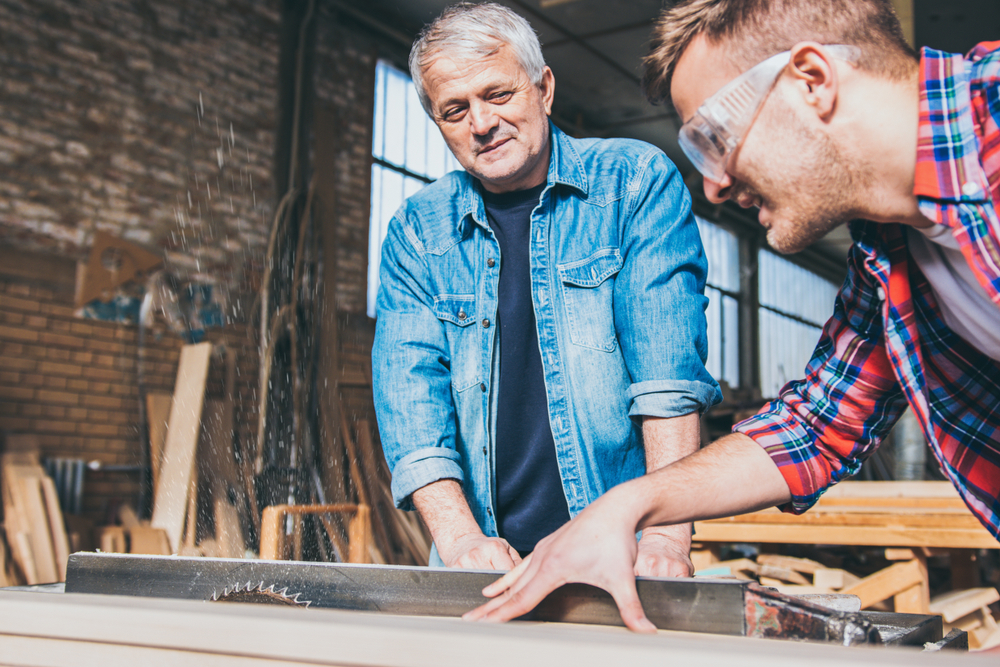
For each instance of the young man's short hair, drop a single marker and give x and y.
(754, 30)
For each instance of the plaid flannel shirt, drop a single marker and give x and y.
(886, 344)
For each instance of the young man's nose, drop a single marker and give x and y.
(718, 191)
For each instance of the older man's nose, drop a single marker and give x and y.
(718, 191)
(482, 118)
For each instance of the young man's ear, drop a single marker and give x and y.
(815, 73)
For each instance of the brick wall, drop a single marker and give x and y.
(152, 120)
(74, 383)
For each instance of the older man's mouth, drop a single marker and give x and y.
(495, 145)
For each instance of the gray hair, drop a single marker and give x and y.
(470, 31)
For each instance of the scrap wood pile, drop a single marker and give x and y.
(33, 523)
(902, 586)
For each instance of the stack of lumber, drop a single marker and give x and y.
(902, 586)
(969, 610)
(889, 514)
(33, 523)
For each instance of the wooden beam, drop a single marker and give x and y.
(887, 583)
(182, 441)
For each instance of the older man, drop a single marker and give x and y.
(818, 113)
(541, 329)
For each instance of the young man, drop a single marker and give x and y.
(818, 114)
(541, 329)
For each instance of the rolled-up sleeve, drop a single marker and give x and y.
(659, 297)
(822, 428)
(411, 372)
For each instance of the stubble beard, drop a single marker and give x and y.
(816, 194)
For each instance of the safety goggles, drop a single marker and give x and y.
(710, 136)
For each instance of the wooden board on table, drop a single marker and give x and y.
(898, 535)
(40, 533)
(177, 470)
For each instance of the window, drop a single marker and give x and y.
(795, 303)
(407, 154)
(722, 290)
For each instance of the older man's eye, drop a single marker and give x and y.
(501, 97)
(453, 114)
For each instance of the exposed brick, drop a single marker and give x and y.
(54, 411)
(9, 377)
(55, 426)
(18, 334)
(78, 385)
(61, 340)
(98, 429)
(18, 363)
(36, 321)
(17, 393)
(54, 368)
(55, 382)
(13, 303)
(77, 413)
(13, 319)
(94, 401)
(83, 357)
(15, 424)
(62, 397)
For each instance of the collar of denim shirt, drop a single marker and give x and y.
(565, 168)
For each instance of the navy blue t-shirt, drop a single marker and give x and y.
(530, 498)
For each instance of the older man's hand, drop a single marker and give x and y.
(475, 551)
(597, 547)
(665, 551)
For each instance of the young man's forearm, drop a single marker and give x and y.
(733, 475)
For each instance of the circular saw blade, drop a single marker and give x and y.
(259, 594)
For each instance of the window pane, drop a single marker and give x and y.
(722, 252)
(793, 290)
(795, 304)
(395, 117)
(416, 133)
(714, 316)
(731, 341)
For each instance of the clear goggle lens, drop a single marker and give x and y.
(705, 147)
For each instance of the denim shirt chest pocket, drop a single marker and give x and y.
(457, 313)
(588, 292)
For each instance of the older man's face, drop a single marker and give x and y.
(494, 119)
(787, 165)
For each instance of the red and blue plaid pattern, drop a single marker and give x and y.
(886, 344)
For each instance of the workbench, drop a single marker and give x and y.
(83, 630)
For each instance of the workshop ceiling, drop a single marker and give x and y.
(595, 48)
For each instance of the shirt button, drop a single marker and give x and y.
(491, 262)
(486, 324)
(970, 189)
(461, 315)
(482, 385)
(484, 451)
(489, 511)
(881, 294)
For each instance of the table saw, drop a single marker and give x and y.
(361, 614)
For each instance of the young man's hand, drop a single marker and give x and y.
(598, 548)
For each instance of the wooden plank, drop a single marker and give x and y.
(790, 533)
(148, 540)
(955, 604)
(891, 490)
(179, 449)
(886, 583)
(39, 533)
(834, 579)
(112, 539)
(804, 565)
(228, 533)
(60, 541)
(157, 417)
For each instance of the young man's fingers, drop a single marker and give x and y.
(630, 607)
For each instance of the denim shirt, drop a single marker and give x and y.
(617, 280)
